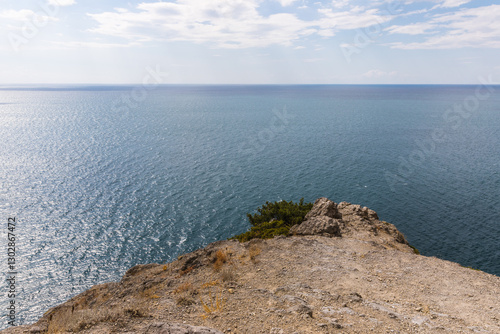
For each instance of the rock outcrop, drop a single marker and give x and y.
(341, 271)
(320, 225)
(326, 218)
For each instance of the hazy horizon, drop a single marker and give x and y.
(132, 85)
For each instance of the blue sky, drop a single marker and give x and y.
(249, 41)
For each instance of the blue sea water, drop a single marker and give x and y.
(101, 178)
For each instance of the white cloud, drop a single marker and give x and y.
(340, 3)
(13, 20)
(226, 23)
(62, 3)
(470, 27)
(453, 3)
(440, 3)
(414, 12)
(93, 45)
(17, 15)
(285, 3)
(353, 19)
(412, 29)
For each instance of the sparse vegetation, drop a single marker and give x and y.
(74, 321)
(185, 291)
(214, 304)
(135, 312)
(469, 267)
(184, 301)
(184, 287)
(187, 271)
(274, 219)
(209, 284)
(415, 250)
(220, 258)
(253, 251)
(227, 274)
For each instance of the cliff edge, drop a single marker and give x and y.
(342, 270)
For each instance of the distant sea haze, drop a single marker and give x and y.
(98, 186)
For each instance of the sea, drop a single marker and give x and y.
(101, 178)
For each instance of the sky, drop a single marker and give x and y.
(249, 41)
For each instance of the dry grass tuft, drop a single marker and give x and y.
(210, 284)
(253, 251)
(215, 303)
(184, 287)
(187, 271)
(70, 320)
(135, 312)
(184, 301)
(185, 291)
(227, 274)
(220, 258)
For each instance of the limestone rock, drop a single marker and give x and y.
(323, 207)
(355, 211)
(319, 225)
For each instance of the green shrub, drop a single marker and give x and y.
(415, 250)
(274, 219)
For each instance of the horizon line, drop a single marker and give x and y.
(3, 85)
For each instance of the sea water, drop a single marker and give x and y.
(102, 178)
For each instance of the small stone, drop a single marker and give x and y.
(355, 297)
(301, 309)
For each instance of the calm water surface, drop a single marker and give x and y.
(98, 186)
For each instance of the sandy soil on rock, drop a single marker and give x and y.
(306, 284)
(366, 279)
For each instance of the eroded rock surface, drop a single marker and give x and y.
(320, 225)
(327, 218)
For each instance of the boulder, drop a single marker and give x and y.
(320, 225)
(323, 207)
(354, 211)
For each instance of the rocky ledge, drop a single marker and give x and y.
(341, 271)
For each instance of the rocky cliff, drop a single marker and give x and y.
(341, 271)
